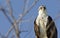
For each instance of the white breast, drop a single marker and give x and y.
(41, 21)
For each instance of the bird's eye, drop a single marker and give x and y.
(41, 8)
(44, 7)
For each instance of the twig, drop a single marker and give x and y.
(16, 27)
(25, 4)
(10, 7)
(4, 12)
(11, 28)
(22, 15)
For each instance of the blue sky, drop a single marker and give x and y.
(53, 9)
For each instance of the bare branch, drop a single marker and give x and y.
(15, 24)
(14, 18)
(23, 14)
(4, 12)
(7, 34)
(25, 4)
(11, 28)
(10, 7)
(23, 31)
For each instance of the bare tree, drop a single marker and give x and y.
(15, 23)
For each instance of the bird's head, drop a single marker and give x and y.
(42, 9)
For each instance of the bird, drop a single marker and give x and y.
(44, 25)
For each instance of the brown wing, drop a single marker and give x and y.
(51, 28)
(36, 29)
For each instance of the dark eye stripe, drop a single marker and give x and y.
(44, 7)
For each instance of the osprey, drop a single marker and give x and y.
(44, 25)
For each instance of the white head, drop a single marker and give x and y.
(42, 9)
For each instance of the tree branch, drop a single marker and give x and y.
(26, 11)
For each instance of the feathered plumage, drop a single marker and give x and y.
(44, 25)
